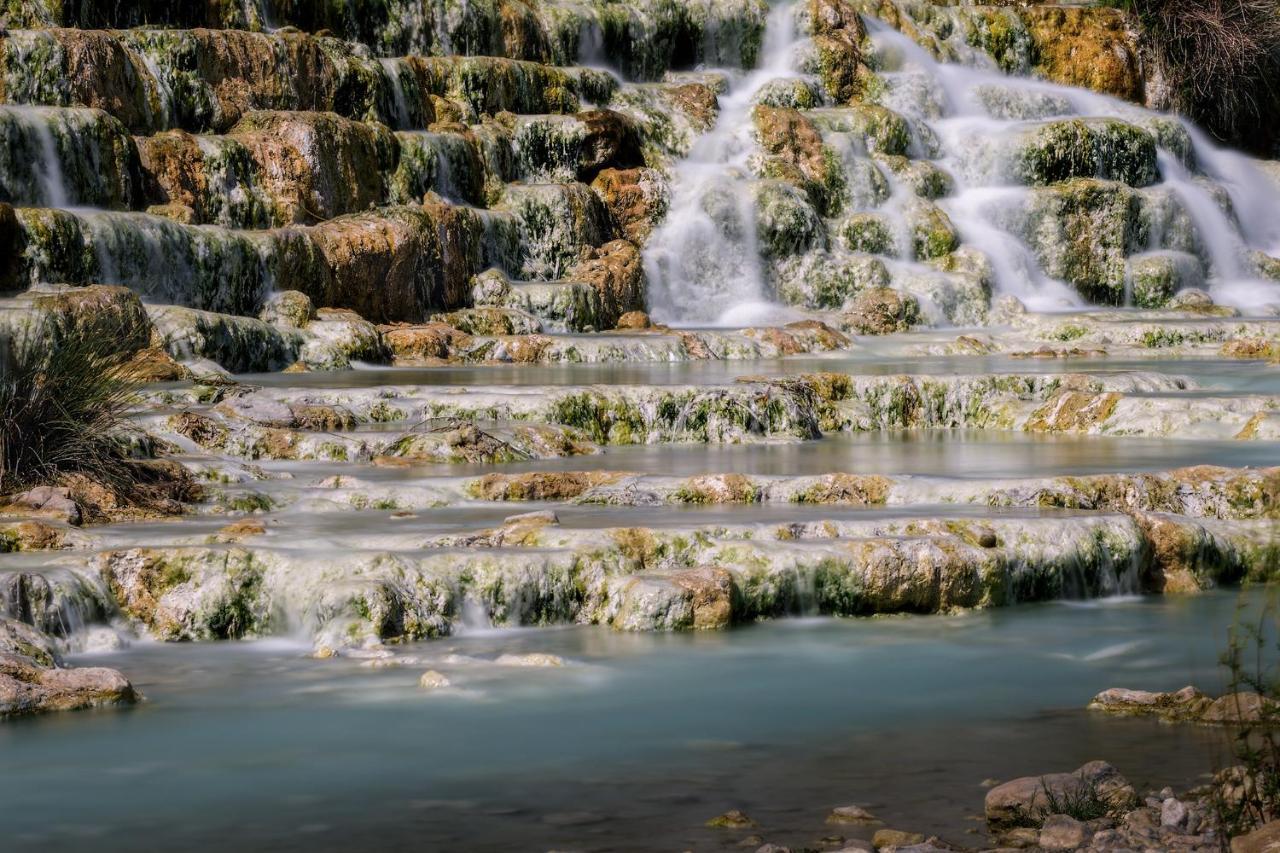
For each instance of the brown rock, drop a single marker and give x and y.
(321, 418)
(851, 815)
(611, 142)
(711, 592)
(732, 819)
(1264, 839)
(238, 531)
(1243, 707)
(1061, 832)
(106, 311)
(634, 320)
(1073, 411)
(1182, 560)
(635, 198)
(153, 364)
(32, 679)
(697, 101)
(539, 485)
(1089, 46)
(1251, 348)
(895, 838)
(838, 34)
(423, 343)
(30, 535)
(616, 272)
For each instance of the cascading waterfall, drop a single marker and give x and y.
(703, 263)
(1202, 211)
(978, 107)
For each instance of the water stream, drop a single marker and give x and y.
(632, 745)
(703, 264)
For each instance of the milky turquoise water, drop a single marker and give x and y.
(632, 745)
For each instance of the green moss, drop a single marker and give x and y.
(251, 502)
(1068, 332)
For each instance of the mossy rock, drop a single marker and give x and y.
(1087, 148)
(1154, 277)
(932, 234)
(869, 232)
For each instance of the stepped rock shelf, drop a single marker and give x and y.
(655, 316)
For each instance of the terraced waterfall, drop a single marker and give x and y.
(554, 388)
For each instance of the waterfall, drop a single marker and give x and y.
(703, 263)
(1200, 210)
(391, 68)
(31, 167)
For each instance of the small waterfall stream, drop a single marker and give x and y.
(703, 263)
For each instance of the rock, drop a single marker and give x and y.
(634, 320)
(238, 344)
(838, 35)
(1251, 348)
(1029, 798)
(238, 531)
(423, 343)
(1242, 707)
(1187, 703)
(432, 680)
(880, 311)
(1061, 832)
(536, 659)
(31, 535)
(290, 309)
(895, 838)
(1086, 148)
(616, 272)
(53, 502)
(33, 679)
(1081, 231)
(732, 819)
(636, 199)
(153, 364)
(1264, 839)
(795, 152)
(1173, 814)
(851, 814)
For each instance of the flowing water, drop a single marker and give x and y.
(703, 264)
(286, 742)
(631, 745)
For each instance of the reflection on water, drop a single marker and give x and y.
(631, 745)
(965, 453)
(1241, 376)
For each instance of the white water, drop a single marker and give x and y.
(47, 170)
(391, 68)
(703, 263)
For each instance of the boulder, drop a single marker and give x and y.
(34, 680)
(636, 200)
(616, 272)
(52, 502)
(1264, 839)
(1028, 800)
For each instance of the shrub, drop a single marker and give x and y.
(1221, 59)
(63, 419)
(1248, 794)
